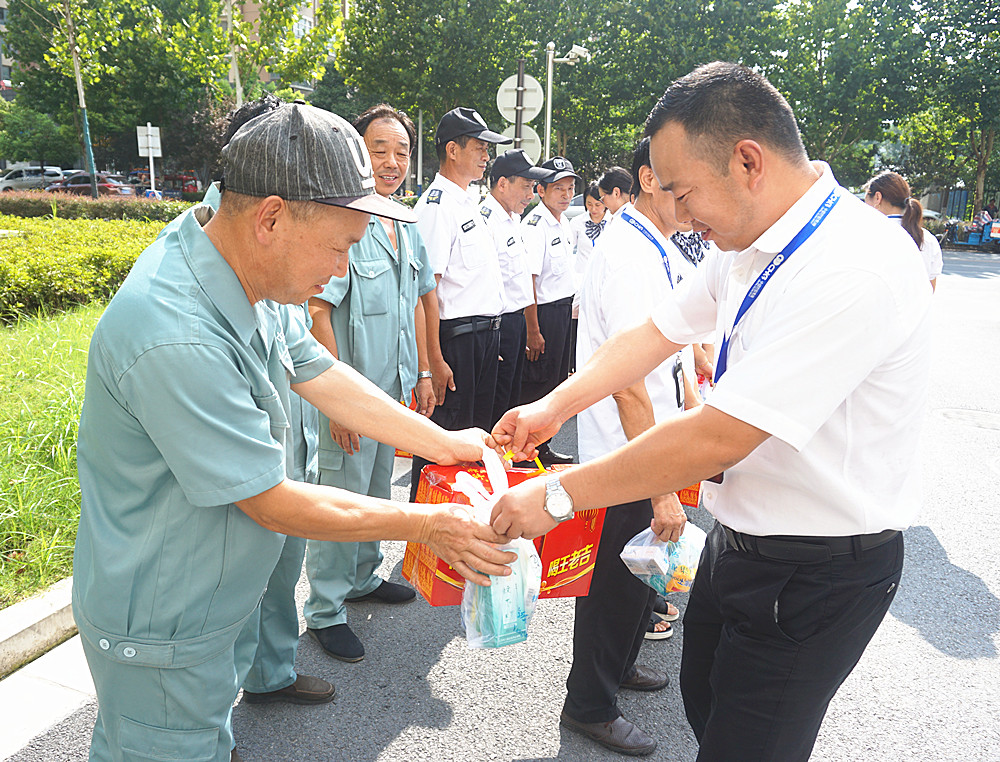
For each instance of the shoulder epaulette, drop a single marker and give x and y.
(434, 196)
(485, 211)
(534, 220)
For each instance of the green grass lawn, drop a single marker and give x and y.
(42, 371)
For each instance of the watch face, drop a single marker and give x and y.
(558, 503)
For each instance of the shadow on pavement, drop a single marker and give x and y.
(952, 608)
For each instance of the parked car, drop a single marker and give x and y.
(29, 178)
(107, 185)
(930, 214)
(576, 207)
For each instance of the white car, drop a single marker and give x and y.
(930, 214)
(30, 178)
(576, 207)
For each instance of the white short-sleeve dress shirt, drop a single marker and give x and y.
(625, 280)
(930, 251)
(514, 265)
(550, 245)
(461, 251)
(831, 360)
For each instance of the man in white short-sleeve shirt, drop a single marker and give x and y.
(812, 426)
(470, 287)
(635, 266)
(549, 240)
(512, 187)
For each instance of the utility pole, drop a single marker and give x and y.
(232, 54)
(87, 147)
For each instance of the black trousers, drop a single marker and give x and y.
(610, 621)
(552, 367)
(513, 338)
(472, 357)
(768, 643)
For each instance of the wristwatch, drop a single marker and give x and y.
(558, 503)
(424, 374)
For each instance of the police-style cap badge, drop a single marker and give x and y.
(558, 168)
(466, 121)
(303, 153)
(515, 163)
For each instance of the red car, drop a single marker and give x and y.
(107, 185)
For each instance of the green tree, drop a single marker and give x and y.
(965, 36)
(272, 35)
(28, 135)
(848, 68)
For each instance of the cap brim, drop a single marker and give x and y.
(373, 203)
(534, 173)
(560, 175)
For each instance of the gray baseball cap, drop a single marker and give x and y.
(303, 153)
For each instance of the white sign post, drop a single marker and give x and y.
(530, 142)
(532, 100)
(149, 146)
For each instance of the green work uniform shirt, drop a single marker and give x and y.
(186, 411)
(374, 329)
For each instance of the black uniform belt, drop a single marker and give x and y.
(566, 300)
(449, 329)
(805, 550)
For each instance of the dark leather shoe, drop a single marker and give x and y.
(645, 679)
(618, 735)
(550, 457)
(387, 592)
(305, 690)
(234, 757)
(340, 642)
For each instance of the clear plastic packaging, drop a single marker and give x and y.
(667, 567)
(498, 615)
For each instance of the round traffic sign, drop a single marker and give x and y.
(534, 96)
(530, 142)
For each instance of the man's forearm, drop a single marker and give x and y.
(684, 450)
(621, 361)
(348, 398)
(327, 513)
(635, 410)
(432, 322)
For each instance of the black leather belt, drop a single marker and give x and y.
(805, 550)
(449, 329)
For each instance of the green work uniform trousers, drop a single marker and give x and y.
(341, 570)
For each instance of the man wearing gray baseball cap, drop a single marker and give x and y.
(182, 451)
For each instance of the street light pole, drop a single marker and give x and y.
(575, 54)
(550, 53)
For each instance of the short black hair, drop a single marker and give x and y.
(719, 104)
(640, 159)
(593, 191)
(385, 111)
(442, 148)
(616, 177)
(249, 110)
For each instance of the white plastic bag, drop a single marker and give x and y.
(667, 567)
(498, 615)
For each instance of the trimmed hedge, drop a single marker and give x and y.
(49, 265)
(70, 207)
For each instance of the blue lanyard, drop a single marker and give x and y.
(764, 278)
(642, 229)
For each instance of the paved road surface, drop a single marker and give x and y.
(926, 689)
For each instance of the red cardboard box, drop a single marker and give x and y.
(568, 552)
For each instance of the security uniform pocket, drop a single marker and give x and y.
(373, 282)
(145, 742)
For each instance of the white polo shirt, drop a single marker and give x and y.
(832, 360)
(514, 266)
(550, 245)
(625, 280)
(930, 250)
(461, 251)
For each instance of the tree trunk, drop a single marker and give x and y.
(982, 162)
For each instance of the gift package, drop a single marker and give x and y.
(567, 553)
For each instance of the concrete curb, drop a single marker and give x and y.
(31, 628)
